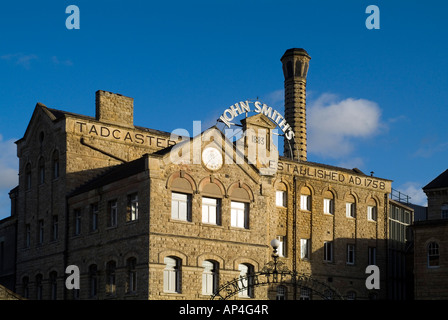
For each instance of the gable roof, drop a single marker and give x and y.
(441, 181)
(56, 115)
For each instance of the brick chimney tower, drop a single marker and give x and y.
(295, 68)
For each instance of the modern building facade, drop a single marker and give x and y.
(145, 214)
(400, 252)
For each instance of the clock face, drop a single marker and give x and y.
(212, 158)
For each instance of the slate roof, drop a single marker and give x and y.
(440, 182)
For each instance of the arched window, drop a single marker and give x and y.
(25, 287)
(350, 206)
(239, 208)
(28, 176)
(131, 283)
(210, 277)
(281, 195)
(181, 197)
(55, 164)
(93, 280)
(39, 287)
(328, 202)
(305, 293)
(372, 211)
(211, 204)
(328, 294)
(172, 275)
(110, 277)
(246, 280)
(41, 170)
(305, 199)
(281, 293)
(433, 255)
(54, 285)
(351, 295)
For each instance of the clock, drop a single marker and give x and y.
(212, 158)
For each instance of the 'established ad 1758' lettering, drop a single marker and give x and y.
(123, 135)
(331, 175)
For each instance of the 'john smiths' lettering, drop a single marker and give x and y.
(123, 135)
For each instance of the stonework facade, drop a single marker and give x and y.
(142, 219)
(431, 242)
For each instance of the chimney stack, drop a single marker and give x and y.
(114, 108)
(295, 68)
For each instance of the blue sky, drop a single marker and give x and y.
(183, 61)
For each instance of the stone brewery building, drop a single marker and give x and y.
(144, 215)
(431, 242)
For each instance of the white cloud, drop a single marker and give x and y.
(414, 191)
(355, 162)
(275, 99)
(8, 173)
(56, 61)
(21, 59)
(8, 164)
(334, 124)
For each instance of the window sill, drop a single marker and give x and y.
(180, 221)
(212, 225)
(239, 229)
(172, 294)
(433, 267)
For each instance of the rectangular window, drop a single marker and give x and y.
(210, 211)
(281, 250)
(55, 228)
(304, 248)
(329, 206)
(350, 254)
(41, 231)
(350, 209)
(239, 214)
(56, 168)
(132, 213)
(372, 256)
(371, 213)
(41, 174)
(94, 217)
(27, 236)
(77, 225)
(305, 202)
(180, 206)
(328, 251)
(433, 255)
(280, 198)
(113, 212)
(444, 211)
